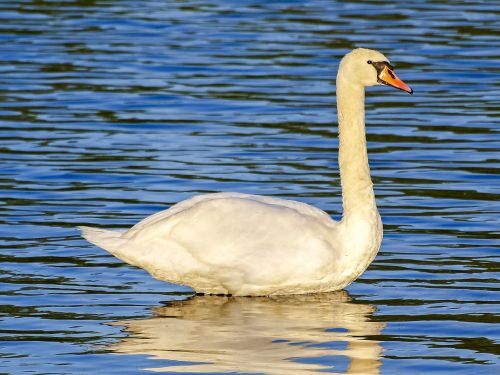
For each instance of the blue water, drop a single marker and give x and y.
(111, 111)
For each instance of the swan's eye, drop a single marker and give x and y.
(369, 62)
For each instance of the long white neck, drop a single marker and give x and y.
(361, 226)
(357, 189)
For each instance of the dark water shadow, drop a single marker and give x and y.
(272, 335)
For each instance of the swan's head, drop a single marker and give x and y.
(367, 67)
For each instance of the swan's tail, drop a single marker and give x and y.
(106, 239)
(113, 242)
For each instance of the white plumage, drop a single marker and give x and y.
(240, 244)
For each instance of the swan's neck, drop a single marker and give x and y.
(358, 198)
(361, 227)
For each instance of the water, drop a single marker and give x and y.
(111, 111)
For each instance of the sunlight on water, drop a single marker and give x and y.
(111, 111)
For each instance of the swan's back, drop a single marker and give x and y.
(233, 199)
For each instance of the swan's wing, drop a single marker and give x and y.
(301, 208)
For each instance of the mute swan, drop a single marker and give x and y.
(248, 245)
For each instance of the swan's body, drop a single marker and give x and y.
(231, 243)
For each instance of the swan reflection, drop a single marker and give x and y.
(272, 335)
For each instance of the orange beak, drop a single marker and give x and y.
(388, 77)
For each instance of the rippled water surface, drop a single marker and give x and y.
(113, 110)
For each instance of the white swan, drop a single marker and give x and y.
(248, 245)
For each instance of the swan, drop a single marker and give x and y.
(250, 245)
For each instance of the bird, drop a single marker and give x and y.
(240, 244)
